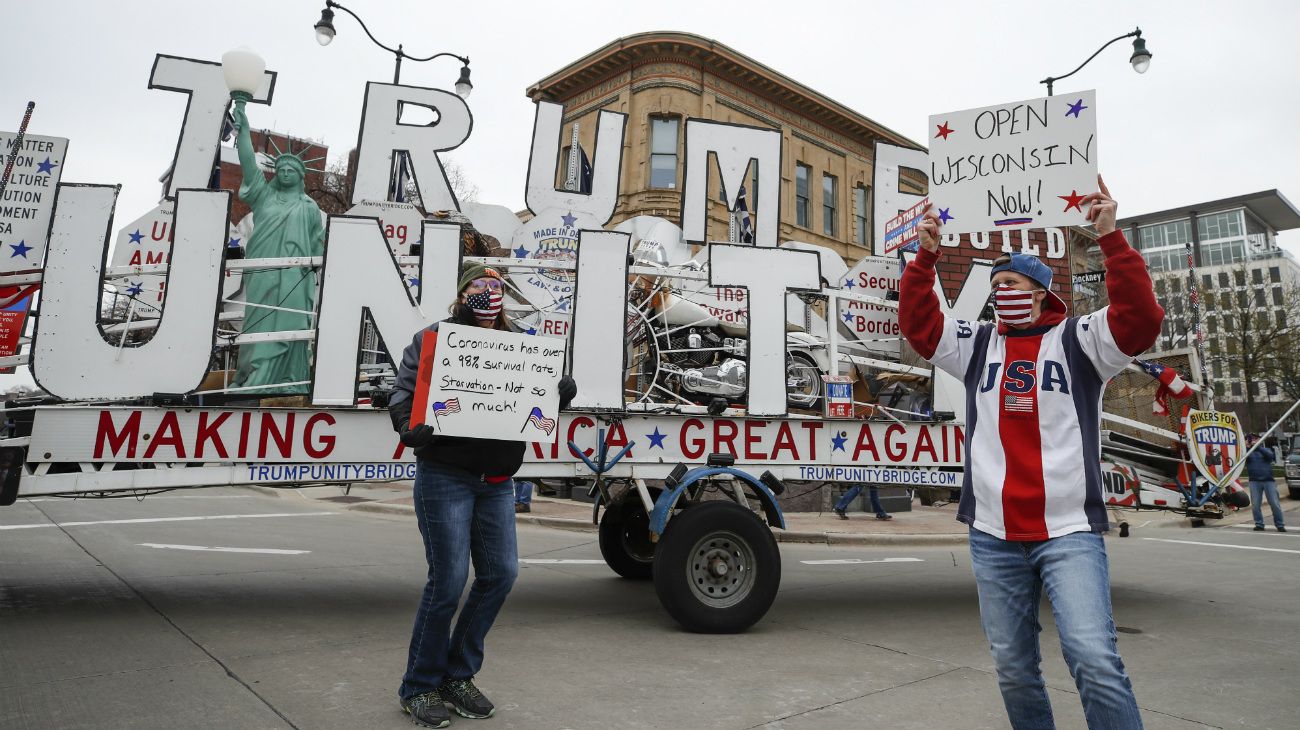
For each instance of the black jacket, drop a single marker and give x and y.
(490, 457)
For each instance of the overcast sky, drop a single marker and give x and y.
(1215, 116)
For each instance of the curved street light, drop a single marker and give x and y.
(325, 33)
(1140, 60)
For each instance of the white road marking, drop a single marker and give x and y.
(1223, 545)
(1268, 531)
(560, 561)
(859, 561)
(202, 548)
(143, 520)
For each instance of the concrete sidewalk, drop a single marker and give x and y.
(921, 526)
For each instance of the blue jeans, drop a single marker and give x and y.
(460, 518)
(523, 492)
(1011, 577)
(853, 493)
(1269, 489)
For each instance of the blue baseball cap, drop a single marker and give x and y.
(1039, 272)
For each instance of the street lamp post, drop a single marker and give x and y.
(325, 34)
(1141, 58)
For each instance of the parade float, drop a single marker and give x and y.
(203, 351)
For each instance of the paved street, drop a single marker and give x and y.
(238, 609)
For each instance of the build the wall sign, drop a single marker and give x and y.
(1027, 164)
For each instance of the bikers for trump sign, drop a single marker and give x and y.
(487, 383)
(1215, 445)
(1027, 164)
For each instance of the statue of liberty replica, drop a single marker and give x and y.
(286, 222)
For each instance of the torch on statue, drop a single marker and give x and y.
(286, 222)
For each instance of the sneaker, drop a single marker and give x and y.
(1259, 528)
(884, 517)
(427, 710)
(1281, 528)
(466, 700)
(841, 513)
(520, 508)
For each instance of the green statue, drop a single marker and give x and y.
(286, 222)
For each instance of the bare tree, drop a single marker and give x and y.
(1253, 332)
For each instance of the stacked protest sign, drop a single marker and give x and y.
(28, 199)
(485, 383)
(900, 231)
(1025, 164)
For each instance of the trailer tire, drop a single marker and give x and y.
(717, 569)
(625, 536)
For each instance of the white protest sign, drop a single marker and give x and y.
(1026, 164)
(28, 199)
(487, 383)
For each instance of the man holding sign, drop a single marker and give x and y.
(458, 405)
(1032, 492)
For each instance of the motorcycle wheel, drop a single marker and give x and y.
(803, 382)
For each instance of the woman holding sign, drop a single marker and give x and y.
(464, 503)
(1032, 494)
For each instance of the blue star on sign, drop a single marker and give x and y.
(848, 283)
(656, 438)
(234, 243)
(1075, 108)
(837, 443)
(137, 236)
(20, 249)
(413, 281)
(945, 216)
(569, 219)
(848, 317)
(564, 305)
(521, 252)
(136, 289)
(531, 331)
(45, 168)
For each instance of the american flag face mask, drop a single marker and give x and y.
(485, 305)
(1013, 306)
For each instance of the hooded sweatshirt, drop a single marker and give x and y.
(1033, 396)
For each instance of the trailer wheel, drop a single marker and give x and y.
(625, 536)
(718, 568)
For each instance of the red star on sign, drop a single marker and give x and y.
(1072, 201)
(944, 131)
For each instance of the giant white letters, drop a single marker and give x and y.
(383, 136)
(545, 155)
(203, 81)
(736, 146)
(70, 358)
(767, 274)
(600, 319)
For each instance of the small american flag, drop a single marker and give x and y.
(452, 405)
(1018, 404)
(540, 421)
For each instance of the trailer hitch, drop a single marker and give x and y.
(602, 464)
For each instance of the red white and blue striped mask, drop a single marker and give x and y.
(1013, 306)
(485, 305)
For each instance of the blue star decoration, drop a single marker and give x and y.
(1075, 108)
(564, 304)
(945, 216)
(837, 443)
(20, 249)
(45, 168)
(413, 281)
(569, 219)
(848, 283)
(137, 236)
(848, 317)
(234, 242)
(521, 252)
(136, 289)
(656, 438)
(530, 331)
